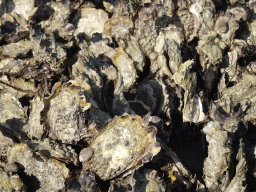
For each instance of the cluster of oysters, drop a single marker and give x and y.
(127, 95)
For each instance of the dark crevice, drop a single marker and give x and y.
(146, 71)
(104, 185)
(32, 183)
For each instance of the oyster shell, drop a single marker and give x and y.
(89, 21)
(134, 144)
(64, 118)
(82, 181)
(24, 7)
(11, 183)
(217, 163)
(118, 27)
(148, 180)
(124, 65)
(34, 129)
(12, 116)
(50, 174)
(142, 179)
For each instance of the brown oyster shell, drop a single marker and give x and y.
(133, 145)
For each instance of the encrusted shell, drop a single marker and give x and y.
(118, 27)
(148, 180)
(63, 110)
(226, 27)
(89, 21)
(81, 181)
(217, 163)
(124, 144)
(50, 174)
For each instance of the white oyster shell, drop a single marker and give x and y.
(90, 21)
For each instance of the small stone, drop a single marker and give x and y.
(85, 154)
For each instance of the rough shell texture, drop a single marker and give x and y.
(50, 174)
(62, 111)
(12, 115)
(11, 183)
(81, 180)
(148, 180)
(34, 128)
(217, 166)
(90, 21)
(133, 145)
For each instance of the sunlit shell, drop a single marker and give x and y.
(148, 180)
(217, 163)
(123, 145)
(169, 41)
(11, 183)
(226, 26)
(19, 49)
(90, 21)
(236, 183)
(63, 109)
(124, 65)
(50, 174)
(12, 115)
(118, 27)
(35, 129)
(24, 7)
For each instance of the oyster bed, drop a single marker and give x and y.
(135, 95)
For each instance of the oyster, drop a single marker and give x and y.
(104, 83)
(217, 163)
(12, 116)
(50, 174)
(65, 118)
(34, 129)
(142, 180)
(118, 27)
(24, 8)
(124, 65)
(84, 21)
(134, 145)
(81, 181)
(11, 183)
(148, 180)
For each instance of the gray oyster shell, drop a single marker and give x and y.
(134, 144)
(12, 116)
(11, 183)
(50, 173)
(62, 111)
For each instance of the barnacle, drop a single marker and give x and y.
(226, 27)
(148, 180)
